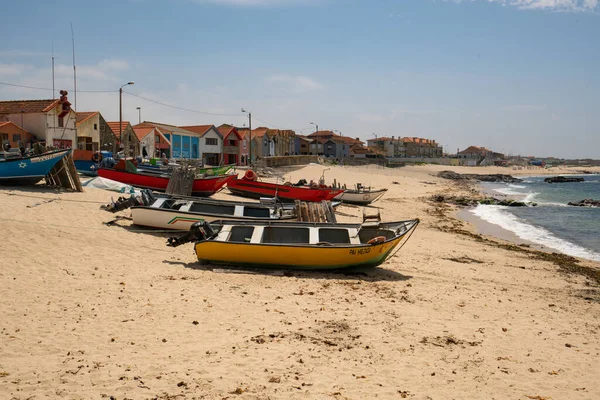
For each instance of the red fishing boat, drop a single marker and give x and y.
(202, 186)
(249, 186)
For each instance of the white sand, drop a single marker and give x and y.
(93, 311)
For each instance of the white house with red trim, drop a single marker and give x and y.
(52, 122)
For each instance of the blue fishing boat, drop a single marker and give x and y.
(28, 170)
(87, 162)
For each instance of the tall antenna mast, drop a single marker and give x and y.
(76, 144)
(53, 95)
(74, 69)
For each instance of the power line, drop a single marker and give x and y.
(181, 108)
(48, 89)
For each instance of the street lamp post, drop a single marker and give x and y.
(121, 114)
(316, 125)
(139, 114)
(249, 133)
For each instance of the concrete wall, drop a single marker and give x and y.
(34, 123)
(288, 160)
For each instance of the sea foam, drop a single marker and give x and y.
(498, 215)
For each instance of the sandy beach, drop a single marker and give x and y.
(92, 311)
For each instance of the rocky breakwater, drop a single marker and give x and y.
(478, 177)
(562, 179)
(585, 203)
(473, 201)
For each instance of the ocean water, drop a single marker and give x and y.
(554, 224)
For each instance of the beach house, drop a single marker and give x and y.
(12, 133)
(51, 122)
(234, 146)
(94, 133)
(153, 141)
(210, 142)
(126, 137)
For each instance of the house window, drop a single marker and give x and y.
(61, 122)
(95, 127)
(4, 136)
(16, 137)
(211, 141)
(328, 147)
(156, 139)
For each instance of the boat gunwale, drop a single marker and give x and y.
(12, 159)
(242, 217)
(415, 221)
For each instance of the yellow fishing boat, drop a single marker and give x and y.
(302, 245)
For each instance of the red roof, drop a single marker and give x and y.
(84, 116)
(321, 134)
(227, 130)
(114, 126)
(141, 133)
(27, 106)
(8, 123)
(199, 129)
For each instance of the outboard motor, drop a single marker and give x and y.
(301, 182)
(21, 148)
(198, 231)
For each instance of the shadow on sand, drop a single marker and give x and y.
(367, 274)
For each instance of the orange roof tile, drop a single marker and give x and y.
(27, 106)
(141, 133)
(114, 126)
(85, 115)
(199, 129)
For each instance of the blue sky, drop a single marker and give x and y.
(518, 76)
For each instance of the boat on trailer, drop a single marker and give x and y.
(19, 169)
(360, 195)
(298, 245)
(180, 213)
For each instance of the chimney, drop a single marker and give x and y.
(392, 137)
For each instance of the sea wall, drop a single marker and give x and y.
(280, 161)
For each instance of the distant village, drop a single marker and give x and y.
(54, 123)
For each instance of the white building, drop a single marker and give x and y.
(153, 140)
(211, 142)
(52, 122)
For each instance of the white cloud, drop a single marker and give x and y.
(113, 64)
(551, 5)
(14, 69)
(298, 84)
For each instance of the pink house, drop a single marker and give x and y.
(234, 145)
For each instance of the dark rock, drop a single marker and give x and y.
(469, 201)
(562, 179)
(478, 177)
(585, 203)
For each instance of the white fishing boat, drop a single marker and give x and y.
(180, 213)
(360, 195)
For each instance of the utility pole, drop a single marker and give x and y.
(250, 133)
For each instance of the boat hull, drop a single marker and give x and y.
(297, 257)
(29, 170)
(254, 189)
(202, 187)
(181, 220)
(360, 197)
(86, 167)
